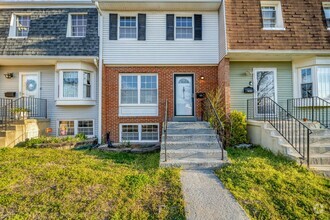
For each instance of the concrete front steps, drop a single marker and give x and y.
(191, 145)
(272, 140)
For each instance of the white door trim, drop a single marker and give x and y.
(21, 74)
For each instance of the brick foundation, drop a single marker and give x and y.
(110, 96)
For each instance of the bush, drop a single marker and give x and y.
(33, 142)
(238, 128)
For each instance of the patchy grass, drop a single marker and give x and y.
(273, 187)
(67, 184)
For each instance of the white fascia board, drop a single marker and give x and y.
(323, 52)
(46, 3)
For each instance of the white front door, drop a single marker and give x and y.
(184, 95)
(265, 85)
(29, 85)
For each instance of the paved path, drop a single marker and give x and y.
(207, 199)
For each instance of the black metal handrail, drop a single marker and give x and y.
(313, 109)
(22, 108)
(165, 128)
(5, 101)
(211, 115)
(289, 127)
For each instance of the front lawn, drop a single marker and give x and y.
(68, 184)
(273, 187)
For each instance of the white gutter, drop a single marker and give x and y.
(100, 72)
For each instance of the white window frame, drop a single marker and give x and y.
(69, 25)
(80, 86)
(314, 79)
(136, 26)
(13, 23)
(139, 88)
(193, 26)
(140, 132)
(75, 127)
(326, 5)
(279, 16)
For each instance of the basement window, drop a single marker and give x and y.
(139, 132)
(272, 18)
(74, 127)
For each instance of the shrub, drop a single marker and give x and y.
(33, 142)
(238, 128)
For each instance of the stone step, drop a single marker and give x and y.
(194, 163)
(322, 169)
(188, 125)
(189, 145)
(191, 131)
(191, 138)
(312, 139)
(320, 159)
(319, 148)
(193, 153)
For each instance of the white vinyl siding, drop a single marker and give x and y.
(156, 49)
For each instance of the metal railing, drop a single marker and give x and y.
(289, 127)
(165, 128)
(20, 109)
(312, 109)
(211, 115)
(4, 101)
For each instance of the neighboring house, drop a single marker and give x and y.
(49, 51)
(280, 48)
(152, 52)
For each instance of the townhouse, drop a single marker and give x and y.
(49, 64)
(153, 52)
(279, 48)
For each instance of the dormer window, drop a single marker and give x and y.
(77, 25)
(326, 8)
(19, 26)
(272, 15)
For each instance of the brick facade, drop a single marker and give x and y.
(304, 22)
(110, 96)
(224, 83)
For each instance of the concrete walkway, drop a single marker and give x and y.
(207, 199)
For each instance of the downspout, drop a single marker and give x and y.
(100, 72)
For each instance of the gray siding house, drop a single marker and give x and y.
(49, 53)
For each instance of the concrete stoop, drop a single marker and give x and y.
(319, 144)
(20, 130)
(192, 145)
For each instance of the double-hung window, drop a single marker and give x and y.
(74, 127)
(138, 89)
(271, 13)
(70, 84)
(22, 25)
(184, 27)
(315, 81)
(139, 132)
(87, 85)
(306, 83)
(77, 25)
(127, 27)
(326, 9)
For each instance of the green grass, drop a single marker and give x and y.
(273, 187)
(67, 184)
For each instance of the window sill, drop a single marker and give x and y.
(75, 36)
(17, 37)
(273, 29)
(328, 28)
(74, 102)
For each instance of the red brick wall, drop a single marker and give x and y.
(110, 96)
(304, 22)
(224, 83)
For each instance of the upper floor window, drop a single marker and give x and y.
(184, 27)
(127, 27)
(272, 15)
(77, 25)
(326, 9)
(19, 25)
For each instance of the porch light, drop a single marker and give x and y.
(202, 78)
(9, 75)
